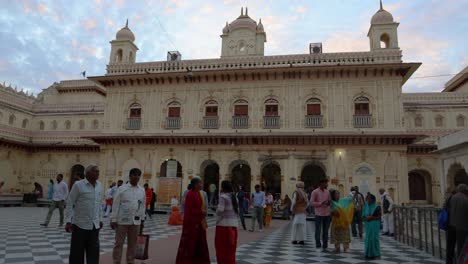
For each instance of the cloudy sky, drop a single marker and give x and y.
(46, 41)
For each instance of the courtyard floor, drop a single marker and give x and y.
(22, 240)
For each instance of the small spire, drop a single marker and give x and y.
(381, 6)
(246, 11)
(260, 21)
(242, 11)
(126, 24)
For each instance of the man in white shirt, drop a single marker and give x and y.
(58, 200)
(128, 213)
(387, 216)
(84, 217)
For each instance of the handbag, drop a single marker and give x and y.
(142, 243)
(443, 219)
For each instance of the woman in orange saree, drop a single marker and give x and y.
(175, 218)
(193, 247)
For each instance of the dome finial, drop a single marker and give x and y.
(381, 5)
(126, 23)
(242, 11)
(246, 11)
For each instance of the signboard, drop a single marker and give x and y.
(168, 187)
(171, 169)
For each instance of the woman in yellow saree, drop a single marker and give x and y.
(342, 210)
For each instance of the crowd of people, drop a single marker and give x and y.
(342, 216)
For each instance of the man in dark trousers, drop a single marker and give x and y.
(240, 198)
(84, 217)
(358, 200)
(458, 217)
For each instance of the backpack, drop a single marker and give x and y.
(443, 219)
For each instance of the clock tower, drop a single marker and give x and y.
(243, 37)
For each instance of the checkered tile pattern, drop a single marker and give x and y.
(276, 248)
(23, 240)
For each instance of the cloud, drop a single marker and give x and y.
(42, 8)
(300, 9)
(89, 24)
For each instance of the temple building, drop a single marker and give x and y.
(246, 116)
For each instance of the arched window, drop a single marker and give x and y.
(460, 121)
(241, 108)
(173, 109)
(12, 119)
(418, 121)
(271, 107)
(81, 124)
(314, 107)
(439, 121)
(361, 106)
(67, 124)
(135, 111)
(25, 123)
(53, 125)
(118, 55)
(385, 41)
(41, 125)
(95, 124)
(130, 57)
(211, 108)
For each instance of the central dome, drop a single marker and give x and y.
(125, 34)
(382, 17)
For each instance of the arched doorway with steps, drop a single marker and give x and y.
(271, 178)
(241, 175)
(210, 175)
(312, 173)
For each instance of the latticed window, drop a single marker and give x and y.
(314, 107)
(173, 109)
(271, 107)
(211, 108)
(241, 108)
(361, 106)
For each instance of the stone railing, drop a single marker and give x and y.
(362, 121)
(313, 121)
(133, 123)
(423, 98)
(54, 108)
(270, 122)
(254, 62)
(240, 122)
(173, 122)
(210, 122)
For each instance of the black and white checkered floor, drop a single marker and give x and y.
(22, 240)
(276, 248)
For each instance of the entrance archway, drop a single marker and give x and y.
(76, 174)
(170, 181)
(210, 175)
(271, 178)
(171, 168)
(456, 176)
(241, 176)
(312, 174)
(419, 188)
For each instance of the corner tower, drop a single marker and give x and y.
(243, 37)
(123, 48)
(383, 33)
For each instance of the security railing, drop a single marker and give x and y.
(173, 122)
(271, 122)
(240, 122)
(362, 121)
(313, 121)
(210, 122)
(418, 227)
(133, 123)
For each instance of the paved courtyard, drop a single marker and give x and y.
(22, 240)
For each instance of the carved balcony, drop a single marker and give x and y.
(210, 122)
(240, 122)
(133, 123)
(362, 121)
(173, 122)
(271, 122)
(313, 121)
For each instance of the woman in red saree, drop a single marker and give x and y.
(193, 247)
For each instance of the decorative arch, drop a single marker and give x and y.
(418, 121)
(439, 121)
(384, 41)
(420, 187)
(119, 55)
(241, 107)
(364, 177)
(312, 172)
(315, 163)
(134, 110)
(271, 177)
(209, 172)
(237, 163)
(211, 107)
(362, 105)
(25, 123)
(53, 125)
(41, 125)
(95, 124)
(67, 124)
(456, 175)
(313, 106)
(81, 124)
(163, 168)
(461, 121)
(12, 119)
(241, 174)
(271, 107)
(174, 109)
